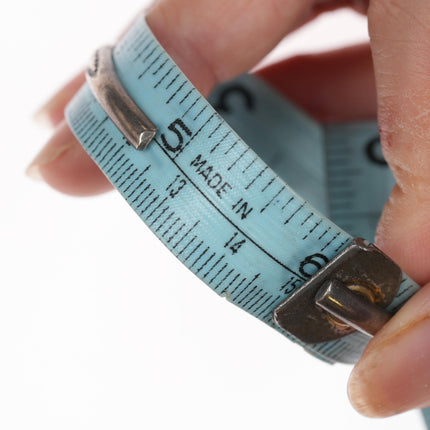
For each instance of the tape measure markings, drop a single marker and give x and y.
(197, 164)
(142, 197)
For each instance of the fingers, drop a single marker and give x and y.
(64, 164)
(400, 36)
(206, 53)
(336, 86)
(393, 375)
(52, 112)
(333, 86)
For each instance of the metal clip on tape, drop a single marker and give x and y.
(117, 103)
(349, 293)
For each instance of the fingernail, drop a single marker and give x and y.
(50, 152)
(51, 112)
(42, 117)
(394, 375)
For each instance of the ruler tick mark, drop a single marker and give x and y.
(149, 66)
(171, 226)
(247, 286)
(200, 256)
(201, 111)
(294, 213)
(194, 135)
(164, 77)
(256, 294)
(147, 46)
(206, 262)
(232, 146)
(268, 184)
(272, 199)
(137, 179)
(312, 229)
(141, 193)
(246, 295)
(148, 56)
(215, 129)
(307, 218)
(89, 127)
(194, 250)
(115, 163)
(112, 156)
(165, 221)
(187, 233)
(124, 172)
(257, 301)
(155, 72)
(145, 199)
(223, 279)
(238, 158)
(186, 95)
(150, 204)
(95, 138)
(269, 306)
(331, 241)
(111, 147)
(132, 173)
(187, 245)
(157, 207)
(218, 273)
(261, 304)
(324, 233)
(191, 106)
(340, 246)
(286, 204)
(237, 286)
(135, 189)
(101, 144)
(176, 232)
(214, 265)
(176, 92)
(172, 81)
(250, 164)
(220, 141)
(159, 216)
(230, 284)
(120, 167)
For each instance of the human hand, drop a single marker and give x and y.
(338, 86)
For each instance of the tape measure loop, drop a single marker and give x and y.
(211, 199)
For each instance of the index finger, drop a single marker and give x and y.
(210, 41)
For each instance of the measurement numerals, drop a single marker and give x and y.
(176, 186)
(179, 128)
(234, 243)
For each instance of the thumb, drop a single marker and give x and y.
(393, 374)
(400, 40)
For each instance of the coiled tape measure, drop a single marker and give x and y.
(227, 215)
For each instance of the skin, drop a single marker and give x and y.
(391, 79)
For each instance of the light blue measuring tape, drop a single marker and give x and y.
(219, 208)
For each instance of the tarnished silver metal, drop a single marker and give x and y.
(362, 268)
(116, 102)
(350, 308)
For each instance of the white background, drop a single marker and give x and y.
(100, 327)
